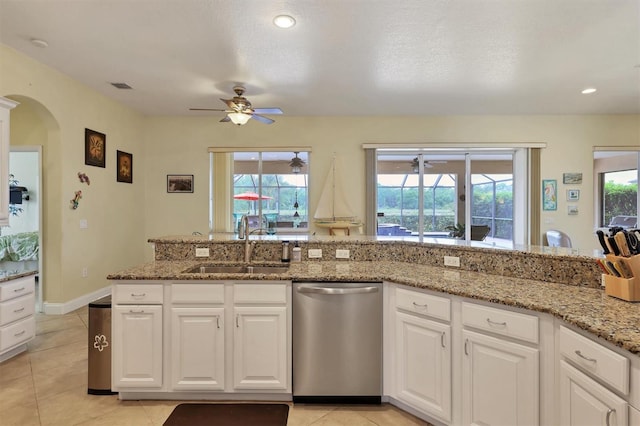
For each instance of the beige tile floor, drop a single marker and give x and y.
(47, 386)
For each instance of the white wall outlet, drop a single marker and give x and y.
(85, 272)
(342, 254)
(602, 281)
(452, 261)
(202, 251)
(84, 224)
(314, 253)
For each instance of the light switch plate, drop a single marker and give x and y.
(84, 224)
(314, 253)
(452, 261)
(202, 251)
(342, 254)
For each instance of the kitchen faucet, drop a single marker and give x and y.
(248, 246)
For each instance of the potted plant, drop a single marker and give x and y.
(456, 231)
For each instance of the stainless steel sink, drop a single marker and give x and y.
(242, 269)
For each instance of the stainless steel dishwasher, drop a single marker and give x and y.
(337, 343)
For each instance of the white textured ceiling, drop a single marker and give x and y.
(344, 57)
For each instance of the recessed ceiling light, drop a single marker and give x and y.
(589, 90)
(284, 21)
(39, 43)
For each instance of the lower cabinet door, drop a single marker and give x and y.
(137, 346)
(500, 382)
(197, 348)
(260, 348)
(584, 402)
(423, 364)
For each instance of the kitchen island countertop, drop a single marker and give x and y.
(589, 309)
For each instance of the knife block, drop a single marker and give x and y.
(624, 288)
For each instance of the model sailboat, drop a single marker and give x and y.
(334, 210)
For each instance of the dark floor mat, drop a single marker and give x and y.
(229, 415)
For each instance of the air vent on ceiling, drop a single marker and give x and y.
(121, 86)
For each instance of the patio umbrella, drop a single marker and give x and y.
(251, 196)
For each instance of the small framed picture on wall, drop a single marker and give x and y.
(179, 183)
(573, 194)
(125, 167)
(95, 145)
(549, 194)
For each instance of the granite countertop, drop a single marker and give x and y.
(590, 309)
(8, 276)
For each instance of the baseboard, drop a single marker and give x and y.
(66, 307)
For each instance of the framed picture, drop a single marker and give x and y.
(573, 194)
(572, 210)
(549, 194)
(179, 183)
(125, 167)
(572, 178)
(95, 144)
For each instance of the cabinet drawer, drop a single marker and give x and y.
(16, 288)
(197, 293)
(260, 293)
(423, 304)
(137, 294)
(505, 323)
(595, 359)
(16, 333)
(15, 309)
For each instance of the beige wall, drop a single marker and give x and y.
(121, 217)
(54, 112)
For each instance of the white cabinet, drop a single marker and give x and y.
(17, 323)
(423, 364)
(137, 337)
(499, 382)
(584, 402)
(260, 348)
(5, 106)
(422, 352)
(197, 350)
(261, 337)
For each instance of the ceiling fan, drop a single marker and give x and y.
(239, 109)
(427, 164)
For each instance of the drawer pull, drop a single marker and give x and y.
(498, 324)
(138, 295)
(18, 290)
(586, 358)
(20, 333)
(611, 410)
(238, 320)
(18, 310)
(131, 311)
(466, 342)
(218, 321)
(417, 305)
(442, 340)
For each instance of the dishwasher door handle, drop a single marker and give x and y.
(338, 290)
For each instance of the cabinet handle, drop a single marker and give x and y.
(500, 324)
(611, 410)
(138, 295)
(218, 321)
(586, 358)
(442, 336)
(17, 290)
(466, 352)
(237, 320)
(417, 305)
(19, 333)
(131, 311)
(18, 310)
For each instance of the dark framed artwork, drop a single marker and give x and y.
(125, 167)
(179, 183)
(95, 145)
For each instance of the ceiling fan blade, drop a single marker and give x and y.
(262, 119)
(225, 119)
(205, 109)
(230, 104)
(267, 110)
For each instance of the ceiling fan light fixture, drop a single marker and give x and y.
(284, 21)
(589, 90)
(296, 163)
(239, 118)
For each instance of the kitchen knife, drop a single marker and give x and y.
(632, 242)
(613, 245)
(624, 268)
(600, 263)
(605, 248)
(621, 242)
(611, 267)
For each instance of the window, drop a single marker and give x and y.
(617, 182)
(270, 187)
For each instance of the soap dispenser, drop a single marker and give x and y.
(297, 253)
(285, 251)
